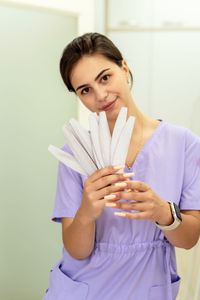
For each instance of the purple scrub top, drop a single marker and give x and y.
(131, 259)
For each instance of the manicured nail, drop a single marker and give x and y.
(118, 167)
(122, 214)
(110, 197)
(111, 204)
(128, 175)
(122, 184)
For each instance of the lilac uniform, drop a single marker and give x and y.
(131, 259)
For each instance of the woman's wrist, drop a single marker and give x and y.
(83, 218)
(166, 217)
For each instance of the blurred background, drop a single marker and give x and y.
(160, 41)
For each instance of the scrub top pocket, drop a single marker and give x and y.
(162, 291)
(175, 287)
(62, 287)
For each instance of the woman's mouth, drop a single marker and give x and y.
(109, 106)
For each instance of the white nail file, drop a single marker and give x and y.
(104, 139)
(66, 158)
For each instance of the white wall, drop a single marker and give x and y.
(34, 105)
(85, 11)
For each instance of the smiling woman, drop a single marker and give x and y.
(119, 239)
(104, 86)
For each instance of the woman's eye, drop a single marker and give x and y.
(85, 91)
(105, 77)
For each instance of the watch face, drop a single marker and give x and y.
(178, 213)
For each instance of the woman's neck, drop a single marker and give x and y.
(140, 119)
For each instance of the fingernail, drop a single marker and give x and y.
(118, 167)
(111, 204)
(128, 175)
(121, 184)
(109, 197)
(122, 214)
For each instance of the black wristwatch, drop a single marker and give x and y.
(176, 216)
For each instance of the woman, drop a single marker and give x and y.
(124, 250)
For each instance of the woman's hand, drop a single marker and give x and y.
(145, 200)
(96, 187)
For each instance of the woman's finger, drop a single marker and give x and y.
(108, 192)
(137, 185)
(130, 195)
(128, 205)
(135, 216)
(107, 179)
(104, 172)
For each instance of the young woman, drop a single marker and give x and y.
(123, 250)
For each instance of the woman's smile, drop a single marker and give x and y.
(109, 106)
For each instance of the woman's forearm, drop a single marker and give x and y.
(79, 237)
(186, 235)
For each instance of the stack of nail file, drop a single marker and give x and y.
(96, 149)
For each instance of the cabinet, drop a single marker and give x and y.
(161, 43)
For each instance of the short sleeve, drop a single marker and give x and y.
(68, 191)
(190, 196)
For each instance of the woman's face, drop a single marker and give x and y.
(98, 81)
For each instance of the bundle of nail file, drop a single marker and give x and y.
(96, 149)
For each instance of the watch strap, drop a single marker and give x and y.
(177, 220)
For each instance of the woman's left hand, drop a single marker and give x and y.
(148, 204)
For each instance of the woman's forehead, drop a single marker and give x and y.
(97, 60)
(88, 67)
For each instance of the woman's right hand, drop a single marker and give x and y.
(96, 187)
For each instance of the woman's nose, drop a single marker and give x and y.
(101, 94)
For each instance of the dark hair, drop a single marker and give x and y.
(88, 44)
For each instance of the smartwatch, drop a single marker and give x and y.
(176, 214)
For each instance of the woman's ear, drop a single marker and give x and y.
(126, 69)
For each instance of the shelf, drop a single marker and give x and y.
(150, 29)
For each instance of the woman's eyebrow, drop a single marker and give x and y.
(100, 73)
